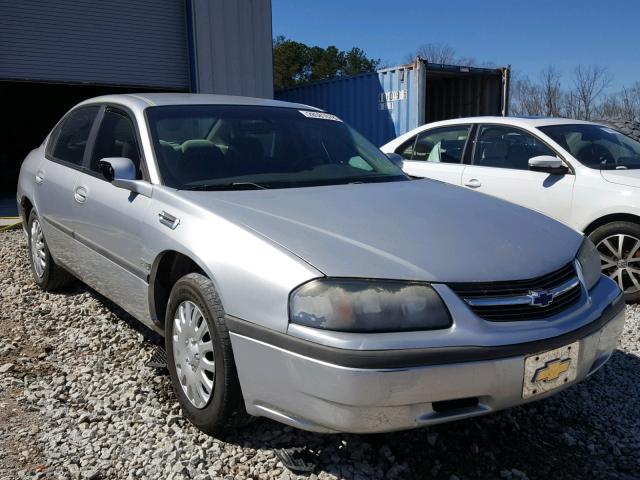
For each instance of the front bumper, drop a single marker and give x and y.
(325, 389)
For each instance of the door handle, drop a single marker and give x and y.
(80, 195)
(39, 177)
(473, 183)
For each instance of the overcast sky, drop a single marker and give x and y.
(526, 35)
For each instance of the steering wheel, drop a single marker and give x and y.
(595, 153)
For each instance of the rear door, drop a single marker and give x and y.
(436, 153)
(109, 220)
(500, 167)
(55, 179)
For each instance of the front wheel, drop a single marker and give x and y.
(199, 356)
(619, 247)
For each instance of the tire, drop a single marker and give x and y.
(225, 406)
(47, 274)
(618, 268)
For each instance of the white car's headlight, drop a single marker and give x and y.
(589, 259)
(354, 305)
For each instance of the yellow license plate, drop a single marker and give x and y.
(547, 371)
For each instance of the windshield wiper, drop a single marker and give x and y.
(228, 186)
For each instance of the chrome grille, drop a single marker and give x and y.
(512, 300)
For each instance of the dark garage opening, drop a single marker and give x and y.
(30, 110)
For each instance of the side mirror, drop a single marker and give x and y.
(121, 172)
(548, 164)
(395, 158)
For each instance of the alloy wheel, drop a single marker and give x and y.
(193, 354)
(38, 254)
(620, 256)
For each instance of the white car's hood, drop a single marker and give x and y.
(418, 230)
(630, 178)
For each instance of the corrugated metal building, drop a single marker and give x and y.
(55, 53)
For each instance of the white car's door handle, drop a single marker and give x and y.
(473, 183)
(39, 177)
(80, 195)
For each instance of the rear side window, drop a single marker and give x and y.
(502, 146)
(441, 145)
(70, 142)
(116, 138)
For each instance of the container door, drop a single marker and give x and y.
(436, 153)
(500, 167)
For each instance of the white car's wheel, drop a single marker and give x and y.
(619, 247)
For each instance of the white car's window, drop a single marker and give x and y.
(72, 135)
(202, 147)
(441, 145)
(596, 146)
(502, 146)
(116, 138)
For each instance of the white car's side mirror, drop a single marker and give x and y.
(548, 164)
(121, 172)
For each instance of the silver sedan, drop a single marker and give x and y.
(297, 274)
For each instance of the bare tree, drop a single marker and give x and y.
(526, 97)
(588, 85)
(440, 53)
(550, 91)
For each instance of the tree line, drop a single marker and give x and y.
(584, 95)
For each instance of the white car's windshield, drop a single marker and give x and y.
(596, 146)
(217, 147)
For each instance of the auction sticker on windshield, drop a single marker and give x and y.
(319, 115)
(546, 371)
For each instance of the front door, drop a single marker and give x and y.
(109, 220)
(500, 167)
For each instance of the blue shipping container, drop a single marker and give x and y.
(385, 104)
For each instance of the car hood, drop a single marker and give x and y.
(630, 178)
(418, 230)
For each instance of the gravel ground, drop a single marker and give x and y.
(78, 401)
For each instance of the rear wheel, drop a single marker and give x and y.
(46, 273)
(619, 247)
(199, 356)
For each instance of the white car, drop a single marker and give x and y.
(581, 173)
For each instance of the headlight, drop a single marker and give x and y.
(589, 259)
(353, 305)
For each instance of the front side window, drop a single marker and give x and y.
(502, 146)
(596, 146)
(442, 145)
(116, 138)
(72, 135)
(214, 147)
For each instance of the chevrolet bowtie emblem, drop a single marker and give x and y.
(551, 370)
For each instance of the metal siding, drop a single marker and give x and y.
(357, 100)
(432, 92)
(118, 42)
(233, 49)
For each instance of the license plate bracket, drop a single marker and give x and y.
(549, 370)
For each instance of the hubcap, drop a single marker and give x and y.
(193, 354)
(38, 255)
(620, 255)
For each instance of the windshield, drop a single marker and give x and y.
(596, 146)
(220, 147)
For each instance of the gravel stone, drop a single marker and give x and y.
(79, 402)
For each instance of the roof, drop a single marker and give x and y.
(144, 100)
(517, 121)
